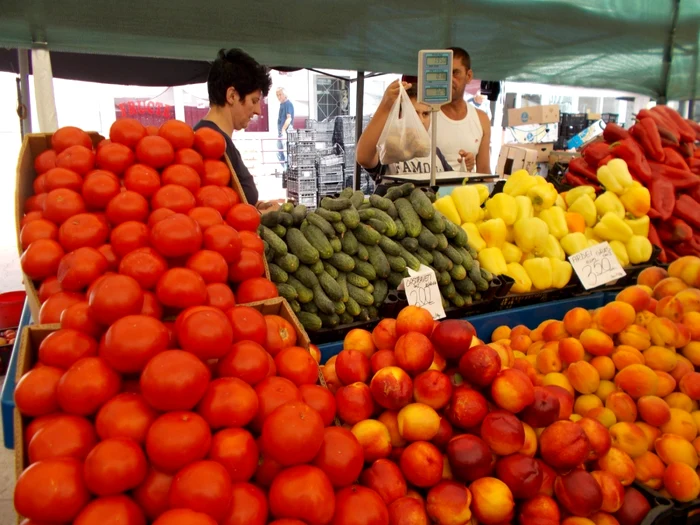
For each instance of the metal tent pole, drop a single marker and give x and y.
(24, 105)
(668, 53)
(359, 103)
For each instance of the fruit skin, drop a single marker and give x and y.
(564, 445)
(452, 338)
(303, 492)
(448, 503)
(357, 505)
(579, 493)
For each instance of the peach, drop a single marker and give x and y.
(577, 320)
(566, 400)
(535, 348)
(439, 363)
(520, 342)
(576, 520)
(537, 333)
(647, 316)
(361, 341)
(432, 388)
(512, 390)
(560, 380)
(629, 438)
(544, 410)
(571, 350)
(696, 418)
(649, 470)
(354, 403)
(445, 433)
(392, 388)
(492, 501)
(683, 336)
(597, 435)
(612, 489)
(667, 384)
(624, 356)
(603, 518)
(623, 406)
(555, 331)
(448, 502)
(408, 510)
(382, 359)
(385, 478)
(689, 299)
(636, 296)
(548, 477)
(603, 415)
(446, 469)
(683, 367)
(575, 418)
(520, 329)
(686, 268)
(596, 342)
(564, 445)
(521, 473)
(618, 463)
(584, 377)
(637, 381)
(330, 375)
(384, 334)
(674, 449)
(502, 332)
(663, 332)
(691, 320)
(670, 308)
(470, 457)
(548, 359)
(652, 433)
(467, 408)
(414, 353)
(374, 438)
(653, 410)
(390, 418)
(505, 353)
(539, 510)
(696, 444)
(660, 358)
(422, 464)
(524, 365)
(635, 507)
(690, 385)
(418, 422)
(682, 424)
(668, 287)
(530, 446)
(651, 276)
(679, 400)
(605, 367)
(579, 493)
(480, 365)
(605, 389)
(352, 366)
(584, 404)
(682, 482)
(503, 432)
(414, 319)
(636, 336)
(614, 317)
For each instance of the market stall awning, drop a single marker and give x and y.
(595, 43)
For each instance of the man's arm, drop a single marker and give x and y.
(483, 156)
(287, 122)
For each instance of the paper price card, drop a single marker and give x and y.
(596, 266)
(422, 290)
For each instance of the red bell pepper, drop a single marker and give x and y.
(613, 133)
(675, 159)
(675, 230)
(656, 241)
(647, 135)
(669, 124)
(695, 193)
(687, 149)
(574, 180)
(663, 197)
(680, 179)
(579, 167)
(695, 126)
(687, 133)
(694, 165)
(688, 210)
(670, 254)
(595, 152)
(667, 129)
(629, 151)
(653, 214)
(604, 161)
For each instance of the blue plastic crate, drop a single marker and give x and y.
(8, 389)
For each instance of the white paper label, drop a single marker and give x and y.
(422, 290)
(596, 266)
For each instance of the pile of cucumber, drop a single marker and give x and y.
(336, 265)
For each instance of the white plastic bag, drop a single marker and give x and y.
(404, 137)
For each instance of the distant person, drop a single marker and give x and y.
(464, 132)
(479, 101)
(285, 122)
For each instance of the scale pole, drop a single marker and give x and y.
(433, 144)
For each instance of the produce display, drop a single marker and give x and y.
(661, 154)
(527, 231)
(7, 337)
(336, 265)
(146, 222)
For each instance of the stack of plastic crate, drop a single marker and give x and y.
(302, 185)
(330, 173)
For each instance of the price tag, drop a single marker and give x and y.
(596, 266)
(422, 290)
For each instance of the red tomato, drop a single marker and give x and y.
(151, 306)
(79, 268)
(174, 380)
(205, 217)
(281, 334)
(125, 416)
(252, 241)
(236, 450)
(174, 197)
(37, 498)
(127, 131)
(152, 130)
(358, 504)
(320, 399)
(68, 136)
(182, 175)
(41, 259)
(44, 161)
(244, 217)
(158, 215)
(77, 317)
(184, 517)
(177, 439)
(36, 425)
(225, 240)
(64, 347)
(248, 324)
(216, 407)
(49, 287)
(132, 341)
(121, 509)
(216, 173)
(115, 157)
(152, 494)
(39, 184)
(302, 492)
(61, 204)
(247, 360)
(82, 230)
(78, 159)
(99, 188)
(35, 203)
(142, 179)
(209, 143)
(155, 151)
(249, 265)
(129, 236)
(64, 436)
(297, 365)
(256, 289)
(52, 309)
(204, 486)
(181, 288)
(86, 386)
(115, 465)
(31, 216)
(191, 158)
(179, 134)
(127, 206)
(268, 470)
(220, 296)
(204, 331)
(273, 392)
(210, 265)
(112, 260)
(214, 197)
(41, 229)
(115, 296)
(62, 177)
(36, 391)
(248, 505)
(145, 265)
(341, 456)
(292, 434)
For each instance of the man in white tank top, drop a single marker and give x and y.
(464, 132)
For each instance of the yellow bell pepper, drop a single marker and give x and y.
(561, 273)
(503, 206)
(620, 253)
(555, 218)
(553, 249)
(615, 176)
(590, 234)
(613, 228)
(527, 257)
(540, 271)
(561, 203)
(511, 253)
(493, 232)
(485, 216)
(639, 249)
(531, 235)
(523, 283)
(543, 196)
(510, 236)
(524, 207)
(636, 200)
(639, 226)
(585, 206)
(466, 200)
(483, 192)
(491, 259)
(592, 242)
(475, 239)
(576, 193)
(446, 206)
(519, 183)
(574, 243)
(609, 202)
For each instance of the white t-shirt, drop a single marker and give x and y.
(454, 135)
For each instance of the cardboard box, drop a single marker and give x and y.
(514, 158)
(533, 115)
(543, 150)
(532, 134)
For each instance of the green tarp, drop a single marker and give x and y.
(617, 44)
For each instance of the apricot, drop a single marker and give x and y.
(503, 432)
(576, 520)
(605, 367)
(502, 332)
(670, 308)
(520, 342)
(691, 352)
(681, 424)
(683, 336)
(675, 449)
(691, 320)
(384, 334)
(651, 276)
(623, 406)
(663, 332)
(577, 320)
(360, 340)
(418, 422)
(492, 501)
(668, 286)
(682, 482)
(687, 269)
(512, 390)
(679, 400)
(636, 336)
(629, 438)
(598, 437)
(690, 385)
(689, 299)
(605, 389)
(624, 356)
(652, 434)
(374, 438)
(596, 342)
(584, 404)
(636, 296)
(564, 445)
(618, 463)
(603, 415)
(584, 377)
(612, 489)
(660, 358)
(614, 317)
(555, 331)
(649, 470)
(579, 493)
(548, 360)
(653, 410)
(603, 518)
(637, 381)
(667, 384)
(560, 380)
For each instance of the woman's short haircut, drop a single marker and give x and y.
(237, 69)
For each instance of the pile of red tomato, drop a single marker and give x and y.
(145, 222)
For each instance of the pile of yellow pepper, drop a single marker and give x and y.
(528, 230)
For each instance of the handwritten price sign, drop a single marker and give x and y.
(596, 266)
(422, 290)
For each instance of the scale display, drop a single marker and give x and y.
(435, 77)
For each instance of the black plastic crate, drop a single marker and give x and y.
(610, 117)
